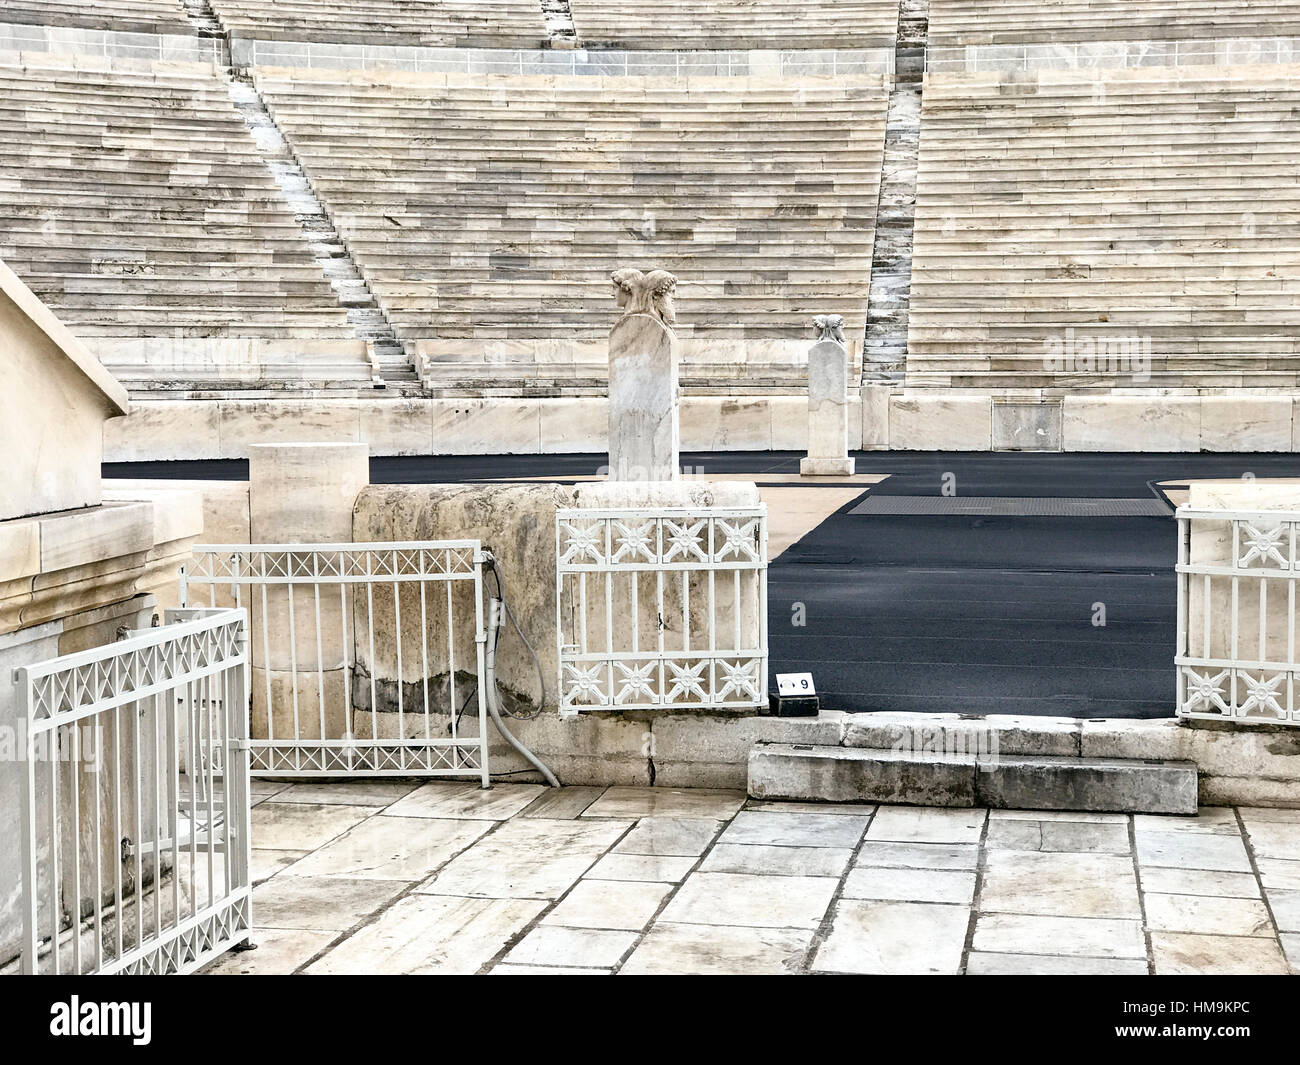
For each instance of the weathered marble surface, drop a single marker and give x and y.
(828, 402)
(644, 395)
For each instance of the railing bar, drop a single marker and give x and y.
(56, 883)
(370, 624)
(293, 667)
(95, 791)
(174, 778)
(157, 820)
(453, 706)
(1205, 616)
(195, 767)
(346, 626)
(424, 655)
(636, 614)
(397, 640)
(209, 765)
(228, 770)
(1263, 618)
(320, 653)
(266, 667)
(75, 773)
(117, 828)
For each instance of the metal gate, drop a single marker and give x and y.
(661, 609)
(135, 807)
(365, 657)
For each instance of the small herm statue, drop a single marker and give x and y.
(650, 293)
(829, 327)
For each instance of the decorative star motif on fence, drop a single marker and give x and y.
(1205, 693)
(1261, 695)
(1263, 544)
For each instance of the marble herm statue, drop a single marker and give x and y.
(651, 293)
(644, 435)
(828, 402)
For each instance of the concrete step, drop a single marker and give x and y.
(922, 778)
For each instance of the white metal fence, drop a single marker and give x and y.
(135, 808)
(1236, 653)
(365, 656)
(661, 609)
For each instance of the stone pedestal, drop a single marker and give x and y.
(644, 437)
(828, 404)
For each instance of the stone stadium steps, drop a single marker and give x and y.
(962, 22)
(131, 16)
(135, 203)
(765, 24)
(483, 23)
(486, 213)
(1150, 204)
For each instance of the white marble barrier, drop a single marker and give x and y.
(828, 402)
(644, 395)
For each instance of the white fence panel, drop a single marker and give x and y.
(661, 609)
(364, 656)
(1236, 655)
(135, 806)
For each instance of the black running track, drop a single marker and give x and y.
(944, 613)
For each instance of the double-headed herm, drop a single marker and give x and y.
(120, 1019)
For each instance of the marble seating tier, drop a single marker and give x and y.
(954, 23)
(761, 24)
(1153, 209)
(134, 202)
(132, 16)
(410, 23)
(487, 212)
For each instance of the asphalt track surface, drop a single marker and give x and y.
(940, 613)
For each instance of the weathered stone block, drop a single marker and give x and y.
(1126, 785)
(837, 774)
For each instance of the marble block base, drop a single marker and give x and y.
(813, 467)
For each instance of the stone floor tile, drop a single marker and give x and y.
(917, 855)
(392, 848)
(777, 861)
(1273, 839)
(667, 802)
(845, 809)
(1220, 820)
(982, 964)
(1279, 874)
(911, 885)
(1291, 948)
(545, 970)
(527, 858)
(1199, 882)
(681, 836)
(1081, 816)
(440, 799)
(1192, 850)
(279, 952)
(261, 790)
(1181, 954)
(1286, 909)
(660, 868)
(893, 938)
(1269, 813)
(670, 949)
(560, 804)
(1089, 937)
(1078, 836)
(1208, 915)
(1059, 884)
(759, 901)
(321, 903)
(265, 862)
(376, 793)
(921, 824)
(431, 934)
(626, 905)
(301, 826)
(581, 947)
(794, 829)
